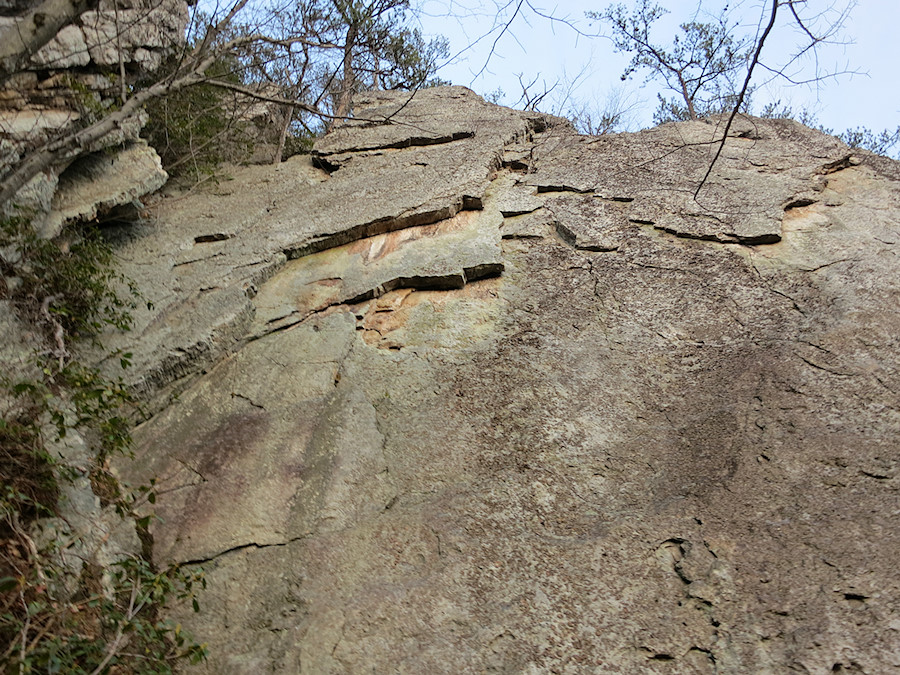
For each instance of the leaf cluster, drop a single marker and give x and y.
(700, 66)
(70, 284)
(108, 627)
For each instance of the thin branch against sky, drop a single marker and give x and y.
(848, 80)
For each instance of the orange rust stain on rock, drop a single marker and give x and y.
(483, 289)
(377, 247)
(392, 310)
(802, 218)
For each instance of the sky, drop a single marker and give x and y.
(569, 55)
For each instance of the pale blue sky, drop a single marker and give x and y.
(553, 51)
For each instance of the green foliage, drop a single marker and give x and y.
(68, 285)
(112, 625)
(409, 62)
(300, 142)
(196, 128)
(69, 289)
(30, 487)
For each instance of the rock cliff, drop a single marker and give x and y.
(467, 392)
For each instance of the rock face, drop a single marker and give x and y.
(467, 392)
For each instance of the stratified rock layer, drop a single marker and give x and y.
(479, 394)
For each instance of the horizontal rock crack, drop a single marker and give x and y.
(324, 242)
(321, 160)
(724, 238)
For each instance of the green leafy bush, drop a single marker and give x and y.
(69, 285)
(196, 128)
(111, 620)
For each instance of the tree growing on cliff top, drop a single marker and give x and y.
(700, 67)
(709, 65)
(344, 46)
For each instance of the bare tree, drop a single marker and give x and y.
(766, 25)
(614, 112)
(700, 66)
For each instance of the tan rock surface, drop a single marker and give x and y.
(663, 440)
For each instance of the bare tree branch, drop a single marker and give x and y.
(740, 101)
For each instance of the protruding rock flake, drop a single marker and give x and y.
(467, 392)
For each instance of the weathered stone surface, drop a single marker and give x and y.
(445, 255)
(185, 267)
(139, 34)
(663, 440)
(97, 183)
(444, 115)
(71, 77)
(67, 50)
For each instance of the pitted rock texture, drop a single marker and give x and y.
(479, 394)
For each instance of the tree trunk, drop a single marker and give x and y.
(688, 100)
(279, 152)
(343, 105)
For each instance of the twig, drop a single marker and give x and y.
(58, 331)
(740, 99)
(24, 632)
(113, 648)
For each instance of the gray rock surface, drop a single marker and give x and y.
(100, 182)
(64, 85)
(482, 395)
(139, 34)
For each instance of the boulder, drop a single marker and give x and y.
(95, 184)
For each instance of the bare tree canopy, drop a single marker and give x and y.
(700, 66)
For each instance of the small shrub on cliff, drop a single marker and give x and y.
(105, 620)
(67, 287)
(196, 128)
